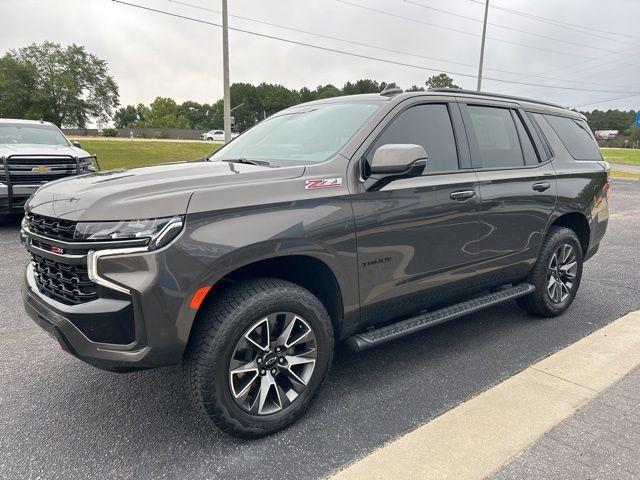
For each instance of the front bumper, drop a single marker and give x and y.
(13, 200)
(144, 325)
(63, 322)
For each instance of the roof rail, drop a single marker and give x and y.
(496, 95)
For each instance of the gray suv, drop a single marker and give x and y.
(359, 219)
(33, 153)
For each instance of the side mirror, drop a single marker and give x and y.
(394, 161)
(76, 144)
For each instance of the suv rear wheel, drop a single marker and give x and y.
(260, 353)
(556, 274)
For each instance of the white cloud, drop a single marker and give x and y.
(150, 54)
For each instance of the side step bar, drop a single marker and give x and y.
(363, 341)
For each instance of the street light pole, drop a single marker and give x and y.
(225, 73)
(484, 37)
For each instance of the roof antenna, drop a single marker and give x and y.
(391, 90)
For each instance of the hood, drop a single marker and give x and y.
(26, 149)
(148, 192)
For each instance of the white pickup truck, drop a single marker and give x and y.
(33, 153)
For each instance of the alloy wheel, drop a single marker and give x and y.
(272, 363)
(561, 273)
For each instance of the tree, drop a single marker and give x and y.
(199, 115)
(68, 85)
(415, 88)
(163, 113)
(17, 83)
(361, 86)
(327, 91)
(441, 81)
(126, 117)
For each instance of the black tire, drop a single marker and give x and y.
(222, 323)
(541, 302)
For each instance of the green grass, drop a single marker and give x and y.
(131, 153)
(622, 155)
(635, 176)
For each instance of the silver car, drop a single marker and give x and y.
(33, 153)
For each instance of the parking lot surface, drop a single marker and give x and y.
(60, 418)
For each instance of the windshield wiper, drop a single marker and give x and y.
(247, 161)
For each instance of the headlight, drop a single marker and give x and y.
(86, 164)
(159, 231)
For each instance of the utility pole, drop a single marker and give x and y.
(484, 37)
(225, 73)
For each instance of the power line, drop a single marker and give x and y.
(571, 26)
(378, 47)
(353, 54)
(506, 27)
(589, 68)
(606, 101)
(465, 32)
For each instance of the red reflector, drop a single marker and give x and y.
(199, 297)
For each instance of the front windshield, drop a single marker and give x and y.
(31, 134)
(301, 136)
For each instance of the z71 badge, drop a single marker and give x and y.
(323, 183)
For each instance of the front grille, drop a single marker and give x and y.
(51, 227)
(33, 170)
(68, 284)
(35, 179)
(18, 162)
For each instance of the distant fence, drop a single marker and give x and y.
(171, 133)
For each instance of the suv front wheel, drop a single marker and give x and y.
(259, 354)
(556, 274)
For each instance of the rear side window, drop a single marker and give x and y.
(529, 151)
(496, 136)
(426, 125)
(576, 137)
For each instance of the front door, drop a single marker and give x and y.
(417, 237)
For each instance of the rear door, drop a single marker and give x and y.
(517, 188)
(416, 237)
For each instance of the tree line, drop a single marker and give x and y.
(72, 87)
(250, 103)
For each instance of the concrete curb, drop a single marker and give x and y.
(476, 438)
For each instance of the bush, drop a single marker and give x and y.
(160, 134)
(109, 132)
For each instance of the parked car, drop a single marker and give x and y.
(216, 135)
(31, 154)
(358, 219)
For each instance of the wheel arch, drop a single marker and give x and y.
(577, 222)
(304, 270)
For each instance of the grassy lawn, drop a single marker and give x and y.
(131, 153)
(622, 155)
(635, 176)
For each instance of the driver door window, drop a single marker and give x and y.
(427, 125)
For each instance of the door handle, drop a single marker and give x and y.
(462, 195)
(541, 187)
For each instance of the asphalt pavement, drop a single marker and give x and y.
(60, 418)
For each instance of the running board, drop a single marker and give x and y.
(363, 341)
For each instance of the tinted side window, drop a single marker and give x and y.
(529, 151)
(576, 137)
(546, 129)
(426, 125)
(496, 137)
